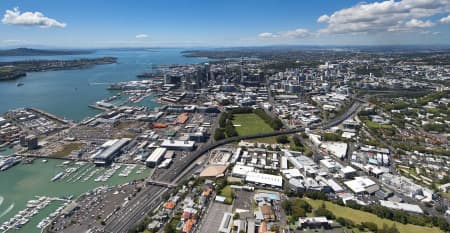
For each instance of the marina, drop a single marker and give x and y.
(33, 207)
(39, 191)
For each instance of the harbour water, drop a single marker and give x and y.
(67, 93)
(26, 181)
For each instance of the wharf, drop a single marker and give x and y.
(49, 115)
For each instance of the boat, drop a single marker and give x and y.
(44, 161)
(7, 163)
(57, 177)
(19, 84)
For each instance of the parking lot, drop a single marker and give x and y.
(243, 203)
(213, 218)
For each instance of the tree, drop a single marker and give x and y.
(297, 212)
(331, 137)
(393, 229)
(371, 226)
(230, 130)
(274, 228)
(303, 204)
(219, 134)
(223, 120)
(297, 141)
(168, 228)
(287, 206)
(283, 139)
(385, 229)
(324, 212)
(345, 222)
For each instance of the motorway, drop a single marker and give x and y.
(136, 210)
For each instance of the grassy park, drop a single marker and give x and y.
(374, 125)
(358, 216)
(251, 123)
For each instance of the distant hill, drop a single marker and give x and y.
(41, 52)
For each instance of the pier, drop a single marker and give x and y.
(49, 115)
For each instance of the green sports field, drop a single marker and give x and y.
(251, 123)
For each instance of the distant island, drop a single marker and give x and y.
(16, 69)
(41, 52)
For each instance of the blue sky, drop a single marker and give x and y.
(113, 23)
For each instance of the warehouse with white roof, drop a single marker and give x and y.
(264, 179)
(178, 145)
(362, 185)
(155, 157)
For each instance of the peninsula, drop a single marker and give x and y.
(41, 52)
(17, 69)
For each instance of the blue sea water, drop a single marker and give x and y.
(67, 93)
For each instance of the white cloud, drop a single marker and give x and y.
(12, 41)
(417, 23)
(323, 19)
(383, 16)
(15, 17)
(141, 36)
(445, 19)
(297, 33)
(267, 35)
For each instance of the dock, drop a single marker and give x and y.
(49, 115)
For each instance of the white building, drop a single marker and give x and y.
(362, 185)
(264, 179)
(178, 145)
(156, 157)
(241, 170)
(415, 209)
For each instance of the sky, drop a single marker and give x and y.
(222, 23)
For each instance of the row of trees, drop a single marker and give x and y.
(372, 227)
(275, 123)
(296, 208)
(226, 127)
(401, 216)
(333, 137)
(382, 212)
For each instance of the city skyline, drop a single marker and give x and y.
(181, 23)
